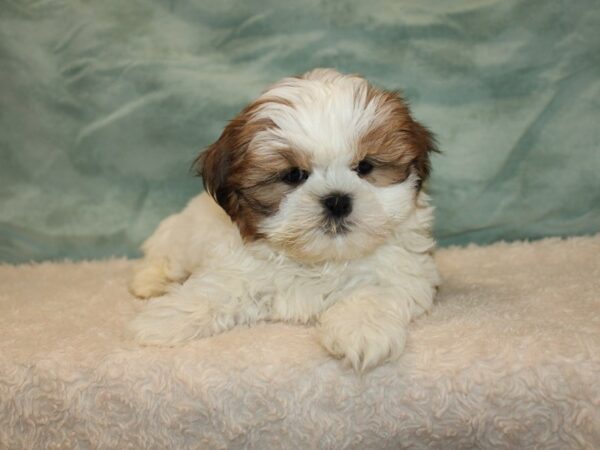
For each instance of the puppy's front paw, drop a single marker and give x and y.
(170, 320)
(361, 339)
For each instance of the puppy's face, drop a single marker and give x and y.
(322, 167)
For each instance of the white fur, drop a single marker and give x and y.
(361, 288)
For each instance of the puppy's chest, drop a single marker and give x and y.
(299, 294)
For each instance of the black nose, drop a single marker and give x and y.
(338, 205)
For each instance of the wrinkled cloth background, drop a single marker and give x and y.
(104, 104)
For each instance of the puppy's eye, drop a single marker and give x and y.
(364, 167)
(294, 176)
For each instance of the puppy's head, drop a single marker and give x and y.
(323, 166)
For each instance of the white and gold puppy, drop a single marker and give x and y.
(314, 214)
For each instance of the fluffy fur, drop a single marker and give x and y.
(263, 245)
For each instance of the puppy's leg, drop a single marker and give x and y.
(204, 305)
(368, 327)
(150, 278)
(161, 265)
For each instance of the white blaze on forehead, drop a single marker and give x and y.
(326, 116)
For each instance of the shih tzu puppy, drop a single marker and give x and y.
(314, 213)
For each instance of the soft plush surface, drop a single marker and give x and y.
(509, 358)
(104, 104)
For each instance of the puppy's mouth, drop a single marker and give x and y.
(335, 227)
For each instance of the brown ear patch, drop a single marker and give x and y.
(396, 143)
(241, 182)
(214, 165)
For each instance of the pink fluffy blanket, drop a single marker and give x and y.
(509, 358)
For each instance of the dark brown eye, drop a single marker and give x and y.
(294, 176)
(364, 167)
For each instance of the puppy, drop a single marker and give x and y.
(314, 213)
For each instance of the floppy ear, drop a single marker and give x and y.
(215, 166)
(424, 144)
(420, 140)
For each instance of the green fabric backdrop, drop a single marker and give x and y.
(104, 104)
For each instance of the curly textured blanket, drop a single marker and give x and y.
(510, 358)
